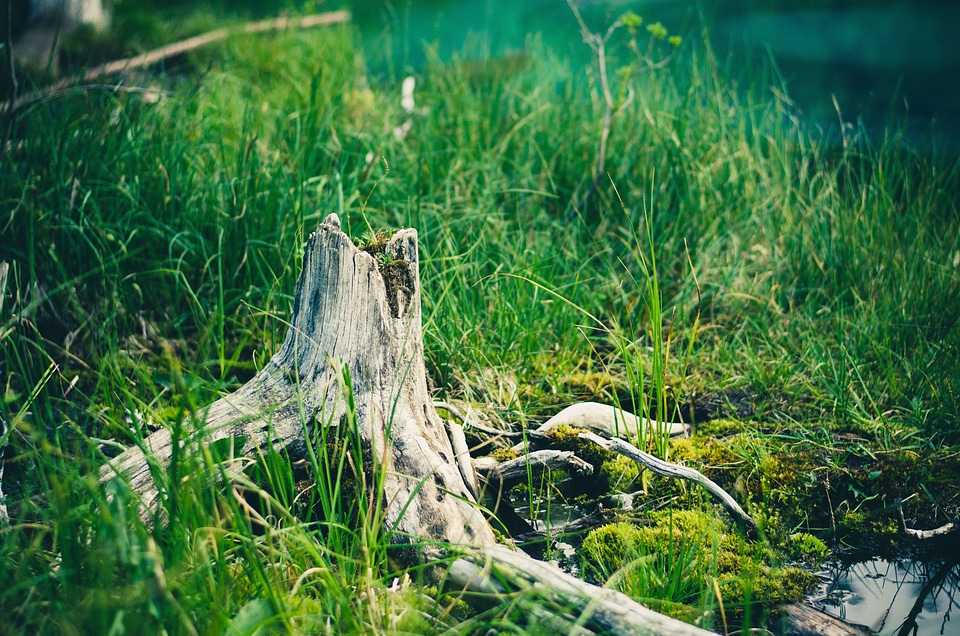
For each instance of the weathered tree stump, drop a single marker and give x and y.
(356, 320)
(364, 317)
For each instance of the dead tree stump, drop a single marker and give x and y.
(355, 312)
(357, 316)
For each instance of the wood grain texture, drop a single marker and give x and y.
(345, 311)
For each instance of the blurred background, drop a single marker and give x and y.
(881, 59)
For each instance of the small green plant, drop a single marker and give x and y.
(803, 547)
(642, 246)
(618, 95)
(374, 242)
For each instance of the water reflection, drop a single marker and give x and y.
(896, 597)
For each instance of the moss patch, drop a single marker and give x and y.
(619, 474)
(504, 454)
(693, 559)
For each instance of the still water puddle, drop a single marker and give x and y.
(896, 597)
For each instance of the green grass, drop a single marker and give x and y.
(154, 247)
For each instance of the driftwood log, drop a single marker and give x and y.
(797, 619)
(604, 419)
(356, 319)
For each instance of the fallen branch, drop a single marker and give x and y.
(798, 619)
(472, 423)
(461, 454)
(177, 48)
(573, 526)
(676, 471)
(508, 474)
(942, 531)
(500, 477)
(605, 420)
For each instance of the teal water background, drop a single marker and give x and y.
(883, 60)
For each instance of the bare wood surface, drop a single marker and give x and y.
(462, 456)
(4, 271)
(473, 423)
(668, 469)
(611, 421)
(177, 48)
(802, 620)
(942, 531)
(345, 309)
(508, 474)
(608, 421)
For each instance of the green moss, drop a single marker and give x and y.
(879, 533)
(720, 428)
(567, 438)
(565, 435)
(679, 556)
(606, 549)
(619, 474)
(715, 459)
(590, 385)
(609, 548)
(168, 414)
(504, 454)
(765, 585)
(788, 483)
(804, 547)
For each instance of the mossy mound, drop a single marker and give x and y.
(694, 560)
(567, 438)
(619, 474)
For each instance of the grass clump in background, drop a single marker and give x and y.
(154, 245)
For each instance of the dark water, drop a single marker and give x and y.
(897, 597)
(883, 60)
